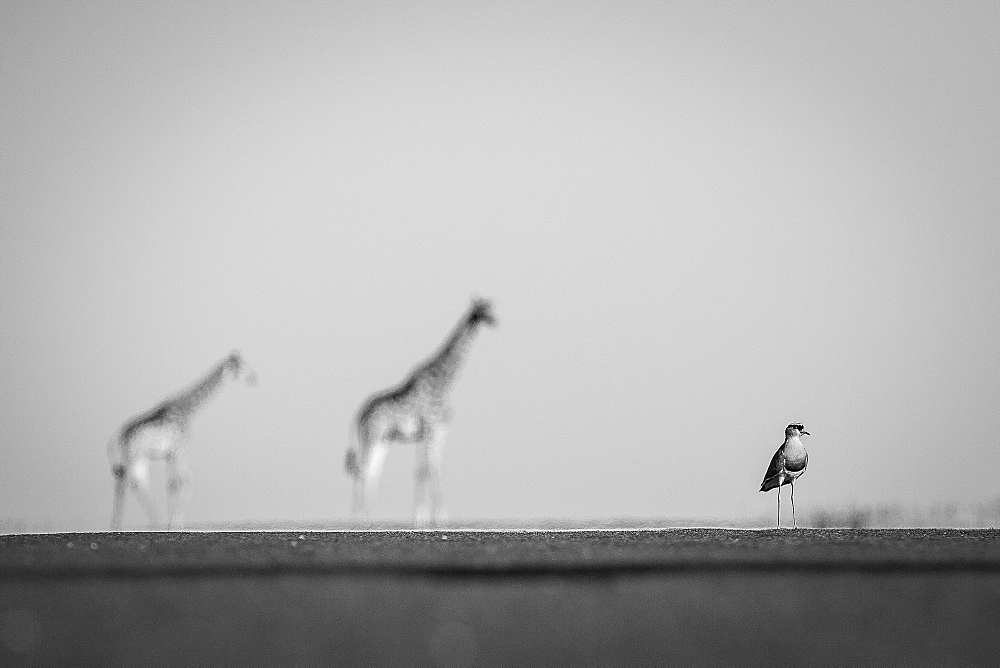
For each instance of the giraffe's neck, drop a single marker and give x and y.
(440, 371)
(194, 397)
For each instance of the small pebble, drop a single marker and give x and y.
(295, 543)
(93, 546)
(70, 545)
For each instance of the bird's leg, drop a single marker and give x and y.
(779, 507)
(794, 525)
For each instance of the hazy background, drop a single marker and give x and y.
(698, 222)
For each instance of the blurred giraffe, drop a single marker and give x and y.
(417, 412)
(160, 434)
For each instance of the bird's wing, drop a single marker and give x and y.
(774, 468)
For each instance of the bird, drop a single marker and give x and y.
(788, 463)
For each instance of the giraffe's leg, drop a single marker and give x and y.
(427, 504)
(353, 469)
(178, 489)
(367, 480)
(358, 508)
(139, 481)
(434, 457)
(121, 486)
(421, 506)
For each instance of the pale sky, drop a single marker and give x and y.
(698, 222)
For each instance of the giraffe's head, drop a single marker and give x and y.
(481, 311)
(240, 369)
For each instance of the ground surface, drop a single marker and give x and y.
(691, 596)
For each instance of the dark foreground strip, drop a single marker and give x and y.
(121, 572)
(499, 554)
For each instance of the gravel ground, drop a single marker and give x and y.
(496, 552)
(692, 596)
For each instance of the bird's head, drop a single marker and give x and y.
(796, 429)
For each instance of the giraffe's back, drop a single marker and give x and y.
(153, 435)
(398, 420)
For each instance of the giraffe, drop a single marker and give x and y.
(416, 411)
(160, 433)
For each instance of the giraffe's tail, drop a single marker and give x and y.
(351, 464)
(116, 456)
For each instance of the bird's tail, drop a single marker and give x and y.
(770, 483)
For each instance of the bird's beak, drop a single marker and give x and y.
(806, 432)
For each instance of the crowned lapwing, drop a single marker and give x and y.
(788, 463)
